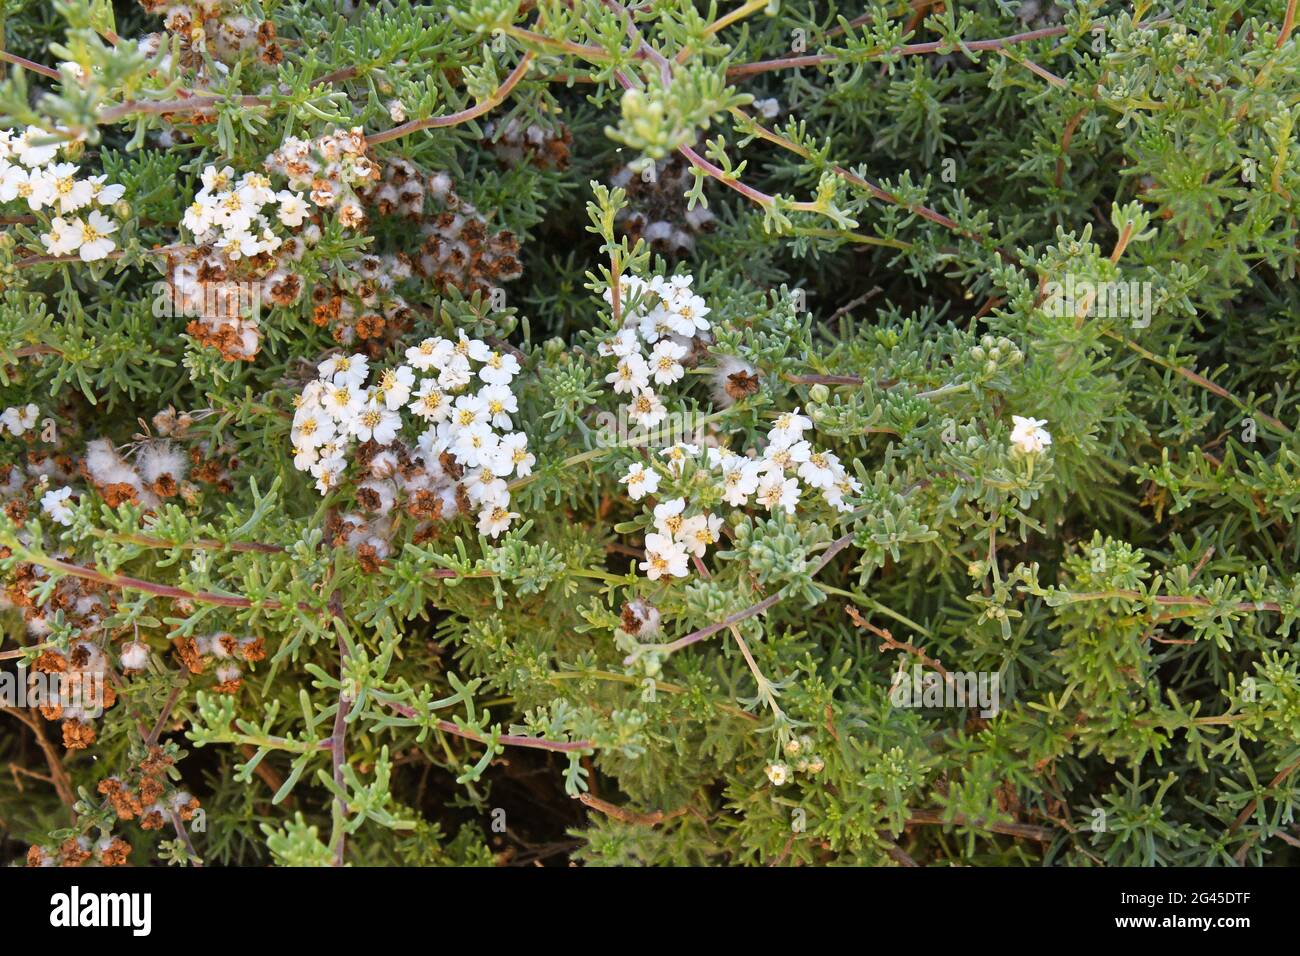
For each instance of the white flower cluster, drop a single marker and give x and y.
(233, 214)
(467, 447)
(18, 421)
(798, 749)
(330, 170)
(244, 255)
(772, 479)
(207, 35)
(665, 315)
(28, 171)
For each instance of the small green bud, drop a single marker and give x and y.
(819, 393)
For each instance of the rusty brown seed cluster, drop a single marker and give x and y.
(207, 27)
(459, 250)
(223, 650)
(656, 209)
(516, 144)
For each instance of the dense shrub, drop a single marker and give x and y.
(511, 431)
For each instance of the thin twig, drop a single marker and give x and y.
(58, 774)
(624, 815)
(464, 116)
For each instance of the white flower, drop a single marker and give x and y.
(663, 556)
(429, 354)
(374, 421)
(200, 216)
(470, 410)
(19, 420)
(781, 458)
(515, 445)
(629, 288)
(313, 393)
(698, 532)
(311, 428)
(217, 180)
(55, 504)
(293, 208)
(395, 386)
(775, 492)
(35, 155)
(632, 375)
(640, 482)
(475, 349)
(501, 402)
(687, 315)
(342, 402)
(499, 369)
(70, 193)
(94, 236)
(492, 521)
(239, 243)
(677, 455)
(234, 213)
(350, 370)
(789, 428)
(255, 189)
(1029, 436)
(778, 773)
(668, 516)
(646, 409)
(328, 471)
(844, 485)
(485, 487)
(304, 456)
(14, 182)
(62, 239)
(819, 469)
(431, 403)
(475, 445)
(623, 344)
(455, 373)
(656, 324)
(431, 445)
(39, 191)
(717, 455)
(665, 361)
(103, 194)
(268, 240)
(740, 477)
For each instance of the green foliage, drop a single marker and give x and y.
(882, 248)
